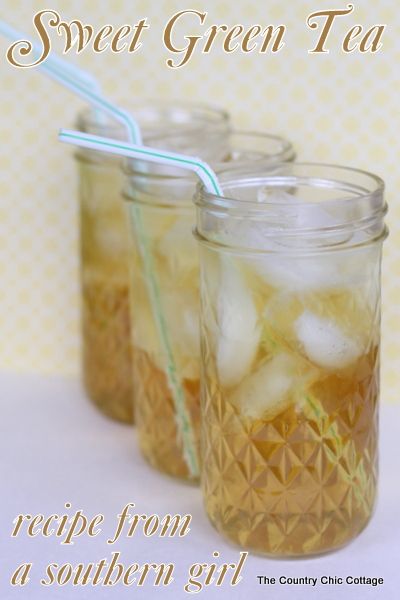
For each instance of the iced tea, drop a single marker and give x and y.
(290, 352)
(106, 322)
(107, 352)
(168, 216)
(175, 261)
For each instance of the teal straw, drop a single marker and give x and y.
(210, 181)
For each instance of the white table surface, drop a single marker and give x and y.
(56, 448)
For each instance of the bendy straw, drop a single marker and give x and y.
(155, 155)
(80, 83)
(96, 100)
(208, 177)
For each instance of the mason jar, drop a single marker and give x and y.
(290, 332)
(164, 196)
(107, 351)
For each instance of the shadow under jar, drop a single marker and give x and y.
(290, 334)
(107, 350)
(165, 198)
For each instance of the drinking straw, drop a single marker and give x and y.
(84, 85)
(208, 177)
(97, 100)
(80, 83)
(155, 155)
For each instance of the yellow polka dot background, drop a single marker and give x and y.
(334, 107)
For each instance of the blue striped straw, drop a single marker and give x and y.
(155, 155)
(80, 82)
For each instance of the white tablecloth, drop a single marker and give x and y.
(56, 448)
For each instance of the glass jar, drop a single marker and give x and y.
(107, 352)
(290, 334)
(167, 214)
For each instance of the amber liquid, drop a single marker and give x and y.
(106, 328)
(175, 262)
(107, 350)
(156, 417)
(290, 462)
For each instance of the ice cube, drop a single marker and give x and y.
(324, 342)
(314, 216)
(182, 320)
(181, 314)
(267, 391)
(239, 331)
(300, 273)
(112, 240)
(283, 268)
(283, 264)
(178, 247)
(317, 271)
(286, 209)
(275, 195)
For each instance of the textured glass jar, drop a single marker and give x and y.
(107, 360)
(290, 334)
(168, 215)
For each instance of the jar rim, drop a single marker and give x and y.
(157, 118)
(177, 175)
(285, 151)
(86, 118)
(288, 251)
(230, 177)
(345, 209)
